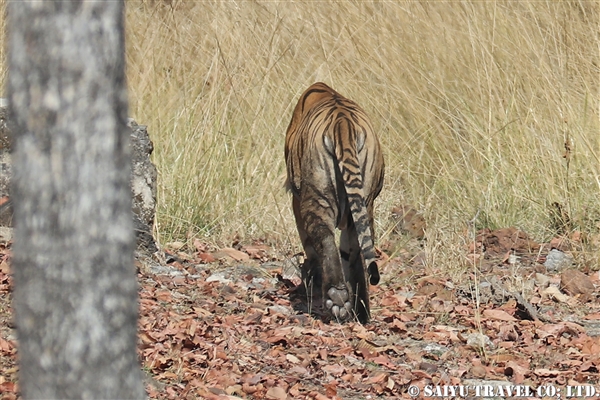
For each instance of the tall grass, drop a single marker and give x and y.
(473, 101)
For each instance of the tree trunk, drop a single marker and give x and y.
(75, 296)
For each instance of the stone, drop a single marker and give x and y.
(5, 172)
(503, 241)
(557, 260)
(542, 280)
(555, 294)
(479, 341)
(576, 283)
(143, 180)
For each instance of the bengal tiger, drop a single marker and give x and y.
(335, 171)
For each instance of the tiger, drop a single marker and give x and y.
(335, 170)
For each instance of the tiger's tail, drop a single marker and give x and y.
(347, 157)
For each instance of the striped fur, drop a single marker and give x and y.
(335, 171)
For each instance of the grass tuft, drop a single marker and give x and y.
(473, 102)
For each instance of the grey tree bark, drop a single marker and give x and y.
(75, 296)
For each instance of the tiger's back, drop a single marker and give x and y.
(335, 170)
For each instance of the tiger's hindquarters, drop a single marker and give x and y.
(322, 269)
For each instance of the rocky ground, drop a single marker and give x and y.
(230, 323)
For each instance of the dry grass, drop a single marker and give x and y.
(473, 101)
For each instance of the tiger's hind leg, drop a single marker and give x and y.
(355, 272)
(323, 267)
(337, 295)
(311, 273)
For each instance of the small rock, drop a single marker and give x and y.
(165, 270)
(271, 265)
(292, 358)
(291, 270)
(592, 328)
(542, 280)
(479, 341)
(221, 276)
(255, 271)
(575, 282)
(556, 261)
(555, 294)
(143, 174)
(434, 348)
(279, 309)
(143, 179)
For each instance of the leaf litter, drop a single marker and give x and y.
(239, 335)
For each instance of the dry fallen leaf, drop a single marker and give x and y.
(555, 294)
(206, 257)
(575, 282)
(334, 369)
(499, 315)
(516, 371)
(276, 393)
(292, 358)
(233, 253)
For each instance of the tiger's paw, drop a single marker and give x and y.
(337, 303)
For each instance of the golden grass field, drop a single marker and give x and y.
(473, 101)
